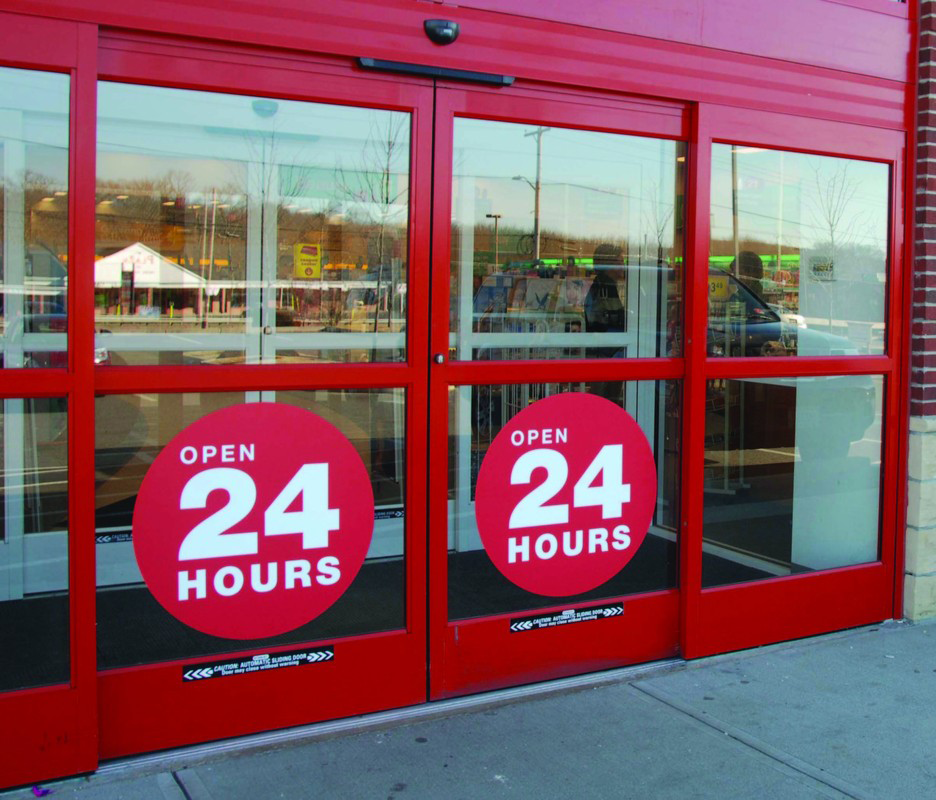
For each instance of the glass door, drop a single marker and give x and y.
(47, 687)
(257, 260)
(558, 285)
(802, 380)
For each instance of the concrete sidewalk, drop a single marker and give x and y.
(852, 714)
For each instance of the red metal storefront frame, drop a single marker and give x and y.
(55, 731)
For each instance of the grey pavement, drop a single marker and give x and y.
(851, 714)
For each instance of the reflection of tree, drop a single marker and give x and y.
(657, 217)
(137, 211)
(835, 191)
(376, 189)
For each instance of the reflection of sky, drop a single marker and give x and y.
(771, 180)
(593, 185)
(207, 138)
(34, 111)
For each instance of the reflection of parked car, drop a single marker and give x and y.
(742, 324)
(23, 328)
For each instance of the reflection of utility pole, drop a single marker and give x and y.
(734, 207)
(496, 218)
(538, 133)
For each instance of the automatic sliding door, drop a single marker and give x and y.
(565, 272)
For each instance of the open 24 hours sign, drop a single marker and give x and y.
(565, 494)
(253, 520)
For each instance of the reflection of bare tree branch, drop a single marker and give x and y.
(372, 186)
(657, 217)
(834, 194)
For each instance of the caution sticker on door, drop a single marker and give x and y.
(565, 494)
(259, 663)
(567, 617)
(253, 520)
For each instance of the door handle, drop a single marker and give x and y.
(268, 330)
(438, 358)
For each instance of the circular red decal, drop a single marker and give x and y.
(253, 520)
(566, 494)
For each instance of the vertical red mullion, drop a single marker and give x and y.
(894, 421)
(698, 193)
(898, 335)
(417, 354)
(438, 389)
(81, 392)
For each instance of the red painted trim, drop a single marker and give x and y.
(482, 654)
(788, 132)
(438, 439)
(368, 674)
(417, 400)
(34, 382)
(753, 614)
(896, 420)
(598, 111)
(52, 731)
(599, 58)
(38, 43)
(81, 401)
(905, 266)
(806, 366)
(234, 69)
(894, 8)
(538, 371)
(693, 447)
(39, 737)
(798, 31)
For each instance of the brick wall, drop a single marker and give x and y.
(920, 577)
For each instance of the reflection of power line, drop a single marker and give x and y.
(807, 226)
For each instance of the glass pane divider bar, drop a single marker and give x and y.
(807, 366)
(225, 378)
(546, 371)
(42, 383)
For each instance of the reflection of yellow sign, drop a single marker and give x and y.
(718, 287)
(307, 260)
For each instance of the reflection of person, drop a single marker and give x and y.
(749, 269)
(604, 310)
(605, 313)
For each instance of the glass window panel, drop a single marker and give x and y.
(476, 416)
(132, 429)
(565, 243)
(34, 213)
(798, 261)
(236, 229)
(34, 603)
(792, 476)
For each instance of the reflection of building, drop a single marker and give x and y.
(138, 280)
(176, 213)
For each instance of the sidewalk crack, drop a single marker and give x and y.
(782, 757)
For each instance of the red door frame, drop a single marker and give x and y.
(133, 701)
(52, 731)
(746, 615)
